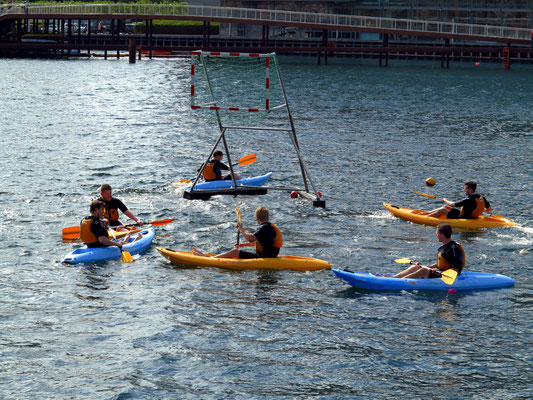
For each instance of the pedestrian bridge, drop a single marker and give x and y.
(354, 23)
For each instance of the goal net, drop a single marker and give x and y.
(236, 83)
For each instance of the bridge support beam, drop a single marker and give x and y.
(149, 37)
(206, 31)
(132, 44)
(385, 44)
(265, 35)
(324, 46)
(447, 55)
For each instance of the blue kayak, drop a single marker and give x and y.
(465, 281)
(254, 181)
(92, 254)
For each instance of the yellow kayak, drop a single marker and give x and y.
(292, 263)
(485, 221)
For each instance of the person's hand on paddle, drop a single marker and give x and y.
(448, 202)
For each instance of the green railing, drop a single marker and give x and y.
(284, 18)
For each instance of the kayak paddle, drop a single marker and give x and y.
(427, 195)
(438, 198)
(73, 232)
(246, 160)
(125, 254)
(448, 276)
(239, 217)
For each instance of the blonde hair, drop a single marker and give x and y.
(261, 213)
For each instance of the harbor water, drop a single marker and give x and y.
(153, 330)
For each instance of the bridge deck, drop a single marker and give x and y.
(471, 32)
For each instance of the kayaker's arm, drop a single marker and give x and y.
(132, 216)
(448, 202)
(247, 235)
(108, 242)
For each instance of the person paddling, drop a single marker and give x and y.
(213, 169)
(93, 230)
(450, 255)
(267, 239)
(471, 207)
(112, 207)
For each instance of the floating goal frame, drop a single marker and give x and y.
(214, 106)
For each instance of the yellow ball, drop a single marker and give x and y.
(430, 182)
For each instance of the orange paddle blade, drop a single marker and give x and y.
(161, 222)
(71, 229)
(249, 159)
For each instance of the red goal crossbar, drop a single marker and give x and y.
(229, 54)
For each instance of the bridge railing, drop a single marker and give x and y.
(275, 16)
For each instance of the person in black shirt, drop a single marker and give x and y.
(93, 230)
(471, 207)
(267, 239)
(112, 207)
(449, 256)
(213, 169)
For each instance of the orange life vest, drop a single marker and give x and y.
(209, 171)
(111, 214)
(480, 207)
(86, 234)
(443, 264)
(278, 240)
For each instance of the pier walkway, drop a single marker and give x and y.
(435, 29)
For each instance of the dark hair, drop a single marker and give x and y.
(472, 185)
(445, 230)
(218, 153)
(105, 187)
(96, 205)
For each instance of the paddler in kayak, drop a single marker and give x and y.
(213, 169)
(449, 256)
(113, 205)
(267, 239)
(471, 207)
(93, 230)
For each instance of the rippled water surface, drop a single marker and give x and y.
(149, 329)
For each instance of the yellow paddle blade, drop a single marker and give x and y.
(449, 276)
(126, 256)
(185, 181)
(403, 261)
(239, 215)
(249, 159)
